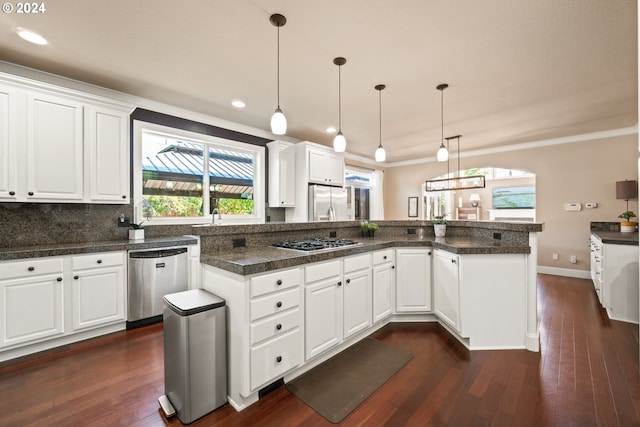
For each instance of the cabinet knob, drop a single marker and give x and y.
(384, 257)
(453, 261)
(279, 282)
(59, 279)
(429, 253)
(30, 193)
(124, 196)
(12, 193)
(279, 304)
(279, 359)
(348, 281)
(76, 277)
(278, 326)
(393, 266)
(99, 261)
(339, 283)
(31, 268)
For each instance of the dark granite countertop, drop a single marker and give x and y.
(617, 238)
(245, 261)
(91, 247)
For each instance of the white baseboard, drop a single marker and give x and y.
(567, 272)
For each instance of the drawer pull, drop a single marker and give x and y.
(59, 279)
(12, 193)
(453, 261)
(348, 281)
(31, 268)
(124, 196)
(279, 282)
(393, 267)
(384, 257)
(76, 277)
(99, 261)
(279, 304)
(30, 193)
(339, 283)
(279, 359)
(429, 253)
(278, 326)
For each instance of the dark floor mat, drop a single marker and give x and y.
(337, 386)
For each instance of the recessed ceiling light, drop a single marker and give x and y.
(238, 104)
(31, 37)
(331, 129)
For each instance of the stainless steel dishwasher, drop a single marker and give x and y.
(152, 275)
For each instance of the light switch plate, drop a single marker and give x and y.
(572, 207)
(591, 205)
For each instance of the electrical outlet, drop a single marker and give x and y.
(497, 236)
(123, 221)
(239, 243)
(574, 260)
(411, 231)
(555, 257)
(332, 234)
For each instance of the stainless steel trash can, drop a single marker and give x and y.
(195, 353)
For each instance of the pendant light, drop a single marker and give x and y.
(381, 155)
(339, 142)
(443, 153)
(278, 120)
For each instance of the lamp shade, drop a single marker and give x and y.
(626, 190)
(475, 197)
(339, 143)
(381, 155)
(278, 123)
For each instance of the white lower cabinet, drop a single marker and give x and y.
(32, 300)
(446, 294)
(383, 276)
(357, 306)
(413, 279)
(98, 289)
(323, 307)
(46, 298)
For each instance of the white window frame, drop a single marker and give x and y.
(258, 152)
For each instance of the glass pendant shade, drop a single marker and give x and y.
(381, 155)
(278, 123)
(443, 154)
(339, 143)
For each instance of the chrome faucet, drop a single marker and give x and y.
(213, 217)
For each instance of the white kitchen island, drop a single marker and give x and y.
(288, 312)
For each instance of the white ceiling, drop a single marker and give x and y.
(518, 70)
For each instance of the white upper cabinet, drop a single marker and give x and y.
(107, 155)
(58, 145)
(282, 174)
(8, 159)
(54, 148)
(325, 167)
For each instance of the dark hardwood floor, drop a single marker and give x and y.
(585, 375)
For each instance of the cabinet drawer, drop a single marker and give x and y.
(275, 357)
(357, 262)
(32, 267)
(275, 303)
(380, 257)
(103, 259)
(321, 271)
(274, 325)
(266, 283)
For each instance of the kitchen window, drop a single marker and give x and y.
(181, 177)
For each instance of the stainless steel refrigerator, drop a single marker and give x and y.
(328, 204)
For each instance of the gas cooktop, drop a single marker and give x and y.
(316, 244)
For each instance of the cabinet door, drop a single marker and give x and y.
(32, 309)
(413, 280)
(107, 155)
(326, 168)
(323, 316)
(383, 279)
(287, 177)
(98, 297)
(446, 288)
(357, 302)
(54, 148)
(8, 144)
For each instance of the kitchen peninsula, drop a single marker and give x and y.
(289, 310)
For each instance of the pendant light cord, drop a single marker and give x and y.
(278, 67)
(380, 115)
(339, 99)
